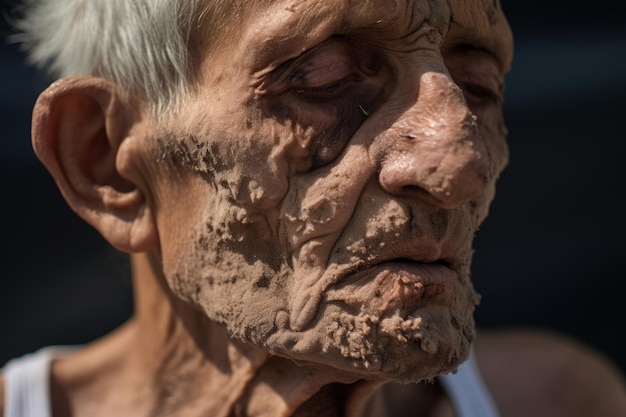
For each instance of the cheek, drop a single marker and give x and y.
(214, 258)
(494, 132)
(174, 229)
(318, 208)
(218, 216)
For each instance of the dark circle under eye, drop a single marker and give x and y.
(477, 72)
(480, 94)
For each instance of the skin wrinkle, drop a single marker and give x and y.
(373, 225)
(407, 219)
(315, 226)
(301, 225)
(416, 30)
(334, 244)
(314, 281)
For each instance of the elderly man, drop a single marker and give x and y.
(298, 184)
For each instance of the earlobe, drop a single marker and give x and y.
(79, 127)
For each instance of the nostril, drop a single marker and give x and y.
(417, 192)
(412, 189)
(408, 190)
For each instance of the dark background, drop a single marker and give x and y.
(550, 255)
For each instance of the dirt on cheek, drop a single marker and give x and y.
(229, 263)
(234, 279)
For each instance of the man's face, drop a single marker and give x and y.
(319, 192)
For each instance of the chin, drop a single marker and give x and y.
(399, 321)
(410, 349)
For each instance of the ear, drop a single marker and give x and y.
(80, 128)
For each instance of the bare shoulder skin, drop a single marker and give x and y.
(2, 400)
(536, 373)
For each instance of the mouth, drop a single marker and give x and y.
(398, 286)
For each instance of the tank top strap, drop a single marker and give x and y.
(27, 383)
(468, 392)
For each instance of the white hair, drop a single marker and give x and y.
(146, 46)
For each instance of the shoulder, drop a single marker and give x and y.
(539, 373)
(1, 395)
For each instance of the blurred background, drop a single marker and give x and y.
(550, 255)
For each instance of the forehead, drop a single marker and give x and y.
(293, 26)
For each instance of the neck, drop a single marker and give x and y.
(177, 362)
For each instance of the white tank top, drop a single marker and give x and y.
(27, 387)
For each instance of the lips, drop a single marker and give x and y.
(395, 287)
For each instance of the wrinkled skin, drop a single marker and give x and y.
(333, 166)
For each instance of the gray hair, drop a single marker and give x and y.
(146, 46)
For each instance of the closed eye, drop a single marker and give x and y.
(323, 70)
(325, 90)
(478, 93)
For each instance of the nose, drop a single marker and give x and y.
(433, 150)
